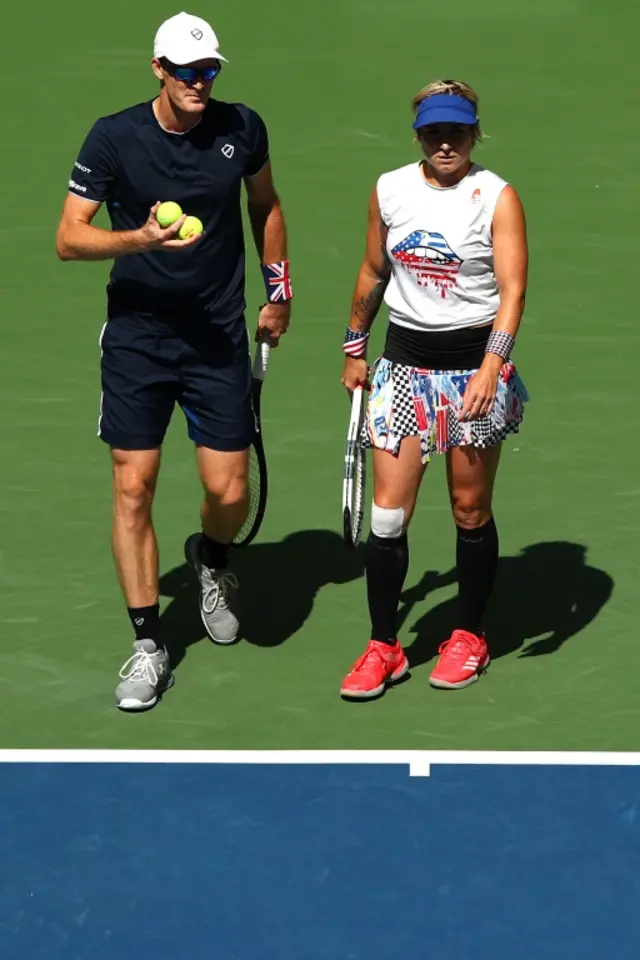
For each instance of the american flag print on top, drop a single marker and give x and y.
(430, 260)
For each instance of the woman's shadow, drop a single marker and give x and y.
(542, 597)
(278, 586)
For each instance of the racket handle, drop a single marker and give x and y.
(356, 403)
(261, 360)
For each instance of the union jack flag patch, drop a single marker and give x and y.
(277, 281)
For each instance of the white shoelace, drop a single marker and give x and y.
(140, 667)
(215, 587)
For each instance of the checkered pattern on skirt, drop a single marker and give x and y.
(405, 402)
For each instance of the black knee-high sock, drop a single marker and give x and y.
(387, 562)
(477, 562)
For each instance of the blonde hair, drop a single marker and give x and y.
(456, 88)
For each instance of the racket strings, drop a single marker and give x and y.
(355, 475)
(358, 489)
(254, 485)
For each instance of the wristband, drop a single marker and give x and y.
(501, 343)
(355, 342)
(277, 281)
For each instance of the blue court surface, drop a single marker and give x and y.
(319, 860)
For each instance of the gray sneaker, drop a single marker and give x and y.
(218, 595)
(144, 677)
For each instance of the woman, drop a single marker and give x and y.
(447, 251)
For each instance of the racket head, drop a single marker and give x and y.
(354, 477)
(257, 482)
(257, 487)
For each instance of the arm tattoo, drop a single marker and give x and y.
(366, 308)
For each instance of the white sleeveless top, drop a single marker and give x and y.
(440, 248)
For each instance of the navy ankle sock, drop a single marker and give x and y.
(146, 622)
(214, 554)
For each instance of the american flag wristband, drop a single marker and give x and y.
(501, 343)
(355, 342)
(277, 281)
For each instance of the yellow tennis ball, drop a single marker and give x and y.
(167, 213)
(192, 227)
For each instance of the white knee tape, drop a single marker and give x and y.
(386, 522)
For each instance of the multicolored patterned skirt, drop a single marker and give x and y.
(407, 402)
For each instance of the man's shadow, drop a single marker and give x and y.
(542, 597)
(278, 586)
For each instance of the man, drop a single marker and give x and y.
(175, 331)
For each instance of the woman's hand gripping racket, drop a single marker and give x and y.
(353, 483)
(257, 480)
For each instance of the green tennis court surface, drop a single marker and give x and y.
(558, 84)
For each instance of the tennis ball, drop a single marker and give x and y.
(192, 227)
(168, 213)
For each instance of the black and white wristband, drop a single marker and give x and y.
(355, 342)
(500, 343)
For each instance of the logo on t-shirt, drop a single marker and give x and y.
(228, 150)
(429, 259)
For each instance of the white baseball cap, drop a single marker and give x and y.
(185, 39)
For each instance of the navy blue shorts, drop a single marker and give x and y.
(149, 366)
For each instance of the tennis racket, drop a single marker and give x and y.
(258, 478)
(353, 483)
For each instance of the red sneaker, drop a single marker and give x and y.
(378, 666)
(462, 659)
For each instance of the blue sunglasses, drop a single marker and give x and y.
(191, 74)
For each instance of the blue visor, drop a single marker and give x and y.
(445, 108)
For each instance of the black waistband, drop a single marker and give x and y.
(436, 350)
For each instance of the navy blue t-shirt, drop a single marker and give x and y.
(128, 161)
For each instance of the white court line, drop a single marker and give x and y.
(418, 761)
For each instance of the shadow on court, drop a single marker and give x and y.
(278, 586)
(543, 597)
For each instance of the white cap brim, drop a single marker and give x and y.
(182, 55)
